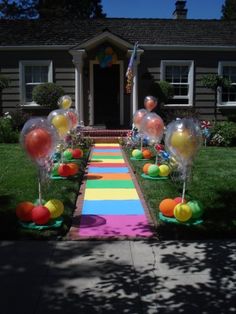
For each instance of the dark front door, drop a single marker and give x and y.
(106, 96)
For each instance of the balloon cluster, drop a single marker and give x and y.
(180, 210)
(39, 214)
(182, 140)
(106, 57)
(154, 171)
(70, 154)
(142, 154)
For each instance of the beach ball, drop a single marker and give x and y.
(167, 207)
(178, 200)
(153, 171)
(55, 207)
(164, 170)
(147, 154)
(182, 212)
(196, 207)
(24, 211)
(145, 167)
(67, 154)
(137, 154)
(77, 153)
(64, 170)
(74, 168)
(40, 215)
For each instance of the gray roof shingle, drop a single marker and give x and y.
(145, 31)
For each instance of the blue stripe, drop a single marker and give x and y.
(108, 170)
(118, 207)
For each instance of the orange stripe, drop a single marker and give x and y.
(108, 176)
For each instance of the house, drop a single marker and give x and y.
(89, 59)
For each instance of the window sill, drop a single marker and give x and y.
(178, 105)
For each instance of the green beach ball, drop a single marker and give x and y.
(153, 171)
(196, 207)
(136, 153)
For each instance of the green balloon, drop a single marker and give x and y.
(197, 209)
(153, 171)
(137, 154)
(67, 155)
(55, 169)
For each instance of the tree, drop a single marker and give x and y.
(31, 9)
(70, 8)
(24, 9)
(216, 83)
(229, 10)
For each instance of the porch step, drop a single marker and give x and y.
(104, 135)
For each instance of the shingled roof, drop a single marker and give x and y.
(145, 31)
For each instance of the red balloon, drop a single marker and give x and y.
(77, 153)
(74, 168)
(38, 143)
(40, 215)
(150, 103)
(24, 211)
(64, 170)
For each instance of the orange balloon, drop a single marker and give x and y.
(167, 207)
(145, 168)
(38, 143)
(147, 154)
(150, 104)
(24, 211)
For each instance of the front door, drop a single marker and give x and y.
(107, 96)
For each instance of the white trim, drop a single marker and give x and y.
(91, 88)
(190, 63)
(105, 36)
(221, 104)
(188, 47)
(22, 64)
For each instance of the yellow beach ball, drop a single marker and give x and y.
(164, 170)
(55, 207)
(182, 212)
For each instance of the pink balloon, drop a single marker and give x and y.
(152, 126)
(150, 103)
(73, 118)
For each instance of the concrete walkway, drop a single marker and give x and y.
(132, 277)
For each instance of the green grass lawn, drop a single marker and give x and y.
(18, 182)
(213, 182)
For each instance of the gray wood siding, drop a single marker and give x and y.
(63, 73)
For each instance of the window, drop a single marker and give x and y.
(33, 73)
(180, 75)
(228, 95)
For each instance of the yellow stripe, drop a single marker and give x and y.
(111, 194)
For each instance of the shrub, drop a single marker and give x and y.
(7, 133)
(19, 118)
(47, 94)
(224, 133)
(162, 90)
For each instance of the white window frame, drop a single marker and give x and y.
(189, 63)
(22, 65)
(221, 64)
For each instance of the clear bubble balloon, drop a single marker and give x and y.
(73, 117)
(152, 126)
(39, 139)
(64, 102)
(60, 120)
(138, 116)
(150, 103)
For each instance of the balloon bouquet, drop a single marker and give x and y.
(183, 139)
(150, 104)
(39, 139)
(64, 120)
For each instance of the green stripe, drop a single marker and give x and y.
(106, 157)
(112, 184)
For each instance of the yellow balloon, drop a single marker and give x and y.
(184, 143)
(66, 103)
(61, 123)
(55, 207)
(164, 170)
(182, 212)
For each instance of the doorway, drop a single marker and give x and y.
(106, 83)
